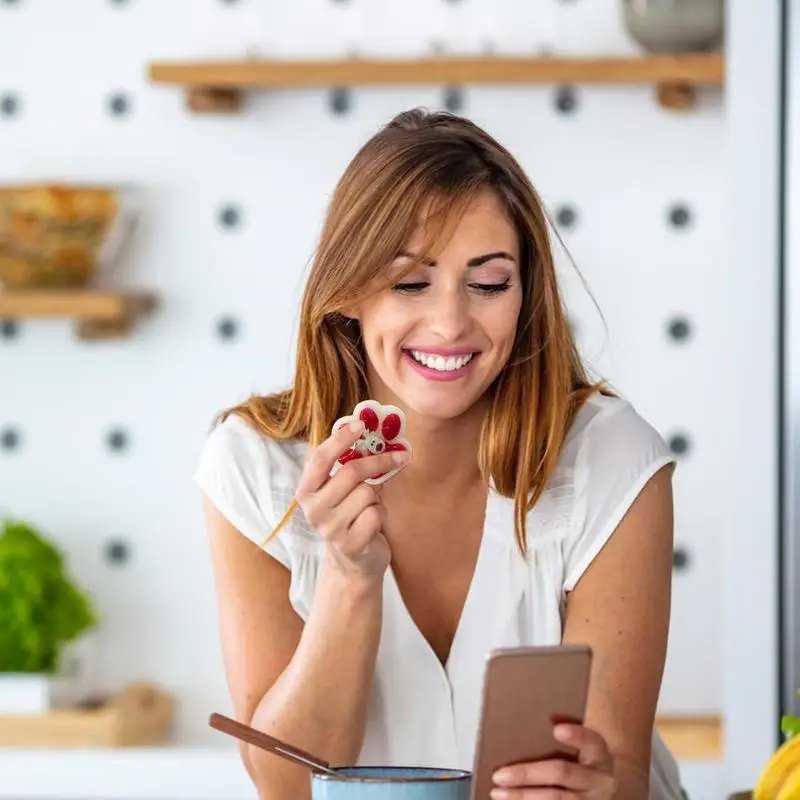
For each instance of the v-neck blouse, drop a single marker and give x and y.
(421, 712)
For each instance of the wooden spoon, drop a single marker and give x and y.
(269, 743)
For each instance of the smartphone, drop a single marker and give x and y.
(526, 691)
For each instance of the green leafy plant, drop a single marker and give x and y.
(790, 724)
(41, 608)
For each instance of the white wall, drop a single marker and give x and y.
(619, 160)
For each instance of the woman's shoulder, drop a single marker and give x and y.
(251, 478)
(235, 442)
(611, 453)
(609, 430)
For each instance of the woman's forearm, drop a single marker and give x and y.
(633, 781)
(320, 701)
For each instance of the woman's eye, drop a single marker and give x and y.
(491, 288)
(411, 287)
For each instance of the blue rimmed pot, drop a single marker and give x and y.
(391, 783)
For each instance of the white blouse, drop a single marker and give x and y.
(423, 713)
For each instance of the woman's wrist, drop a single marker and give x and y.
(352, 584)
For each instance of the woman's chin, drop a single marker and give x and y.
(435, 406)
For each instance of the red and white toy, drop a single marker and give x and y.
(384, 427)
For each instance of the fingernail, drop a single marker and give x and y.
(357, 426)
(399, 456)
(562, 732)
(501, 776)
(498, 794)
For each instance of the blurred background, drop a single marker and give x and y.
(162, 186)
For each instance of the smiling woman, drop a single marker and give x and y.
(449, 320)
(536, 507)
(402, 206)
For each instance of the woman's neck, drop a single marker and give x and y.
(444, 452)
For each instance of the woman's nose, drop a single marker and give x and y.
(449, 315)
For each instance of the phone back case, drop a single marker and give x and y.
(526, 690)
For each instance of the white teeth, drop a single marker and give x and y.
(441, 363)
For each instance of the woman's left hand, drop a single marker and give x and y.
(590, 777)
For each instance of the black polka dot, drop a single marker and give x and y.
(566, 216)
(119, 2)
(679, 329)
(339, 101)
(9, 329)
(454, 100)
(12, 2)
(230, 216)
(116, 552)
(566, 100)
(679, 444)
(10, 438)
(119, 105)
(679, 216)
(9, 104)
(227, 328)
(117, 440)
(680, 559)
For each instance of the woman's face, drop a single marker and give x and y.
(437, 340)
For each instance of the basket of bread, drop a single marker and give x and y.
(60, 235)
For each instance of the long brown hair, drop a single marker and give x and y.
(433, 163)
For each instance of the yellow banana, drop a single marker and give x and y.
(780, 779)
(791, 787)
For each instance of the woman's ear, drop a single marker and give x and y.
(351, 313)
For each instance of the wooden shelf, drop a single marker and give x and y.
(217, 86)
(98, 314)
(692, 738)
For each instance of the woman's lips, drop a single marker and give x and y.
(442, 364)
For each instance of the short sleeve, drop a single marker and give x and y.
(616, 455)
(234, 472)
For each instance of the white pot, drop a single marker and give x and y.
(38, 693)
(33, 693)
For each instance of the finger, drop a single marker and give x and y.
(355, 472)
(533, 793)
(324, 456)
(361, 532)
(348, 510)
(552, 772)
(591, 746)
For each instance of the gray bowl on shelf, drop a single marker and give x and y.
(676, 26)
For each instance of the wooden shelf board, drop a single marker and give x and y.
(98, 314)
(695, 69)
(91, 304)
(692, 738)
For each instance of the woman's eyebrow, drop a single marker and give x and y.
(477, 261)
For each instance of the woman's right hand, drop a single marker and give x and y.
(344, 510)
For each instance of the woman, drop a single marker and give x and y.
(361, 633)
